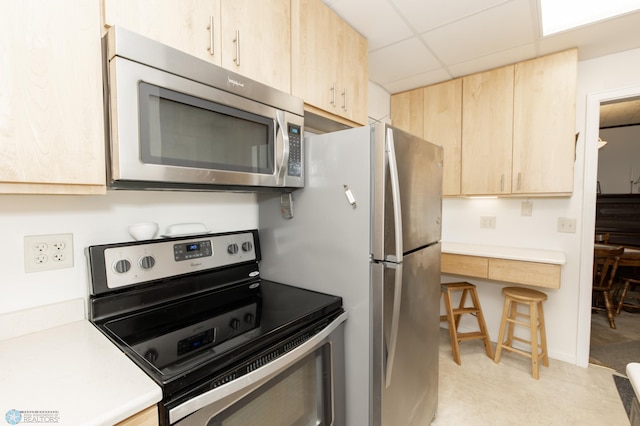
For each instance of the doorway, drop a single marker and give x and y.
(592, 132)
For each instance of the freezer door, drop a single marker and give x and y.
(406, 338)
(407, 190)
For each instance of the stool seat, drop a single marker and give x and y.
(524, 294)
(533, 320)
(453, 316)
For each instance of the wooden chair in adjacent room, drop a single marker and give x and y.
(605, 266)
(629, 277)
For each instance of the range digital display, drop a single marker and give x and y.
(192, 250)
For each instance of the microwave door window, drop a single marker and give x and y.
(182, 130)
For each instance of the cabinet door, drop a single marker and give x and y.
(407, 111)
(329, 63)
(353, 77)
(487, 132)
(51, 112)
(544, 124)
(314, 70)
(192, 26)
(256, 40)
(443, 126)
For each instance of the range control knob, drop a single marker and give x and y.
(234, 324)
(151, 355)
(147, 262)
(232, 248)
(247, 246)
(121, 266)
(249, 318)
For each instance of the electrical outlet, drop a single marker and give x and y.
(487, 222)
(567, 224)
(46, 252)
(526, 208)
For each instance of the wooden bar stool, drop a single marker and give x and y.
(453, 317)
(534, 322)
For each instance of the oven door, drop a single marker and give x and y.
(167, 131)
(303, 387)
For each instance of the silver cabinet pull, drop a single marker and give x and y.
(211, 36)
(333, 94)
(237, 42)
(502, 183)
(519, 181)
(344, 95)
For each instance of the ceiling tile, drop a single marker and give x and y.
(487, 62)
(401, 60)
(503, 27)
(427, 15)
(376, 19)
(420, 80)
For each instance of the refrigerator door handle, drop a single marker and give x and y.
(395, 323)
(395, 195)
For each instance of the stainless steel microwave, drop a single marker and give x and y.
(178, 122)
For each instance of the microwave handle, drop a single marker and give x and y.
(282, 149)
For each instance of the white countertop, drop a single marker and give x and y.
(633, 373)
(510, 253)
(76, 373)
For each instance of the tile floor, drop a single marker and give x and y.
(481, 392)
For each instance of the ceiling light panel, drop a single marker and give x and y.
(561, 15)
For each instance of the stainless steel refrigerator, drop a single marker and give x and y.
(367, 227)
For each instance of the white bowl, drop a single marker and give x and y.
(143, 231)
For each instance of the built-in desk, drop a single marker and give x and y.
(534, 267)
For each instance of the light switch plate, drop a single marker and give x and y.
(526, 208)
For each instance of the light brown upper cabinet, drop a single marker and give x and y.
(251, 38)
(256, 40)
(517, 127)
(442, 126)
(192, 26)
(435, 113)
(407, 111)
(544, 124)
(329, 63)
(52, 126)
(487, 132)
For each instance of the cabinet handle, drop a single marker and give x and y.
(211, 39)
(333, 95)
(502, 183)
(519, 181)
(237, 42)
(344, 104)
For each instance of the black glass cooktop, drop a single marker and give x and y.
(193, 338)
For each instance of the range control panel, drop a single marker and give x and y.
(158, 259)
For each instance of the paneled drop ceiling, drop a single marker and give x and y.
(414, 43)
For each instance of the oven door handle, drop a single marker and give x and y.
(235, 390)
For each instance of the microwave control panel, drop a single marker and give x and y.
(295, 151)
